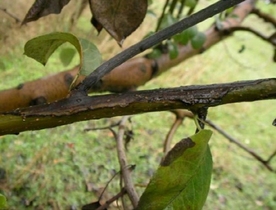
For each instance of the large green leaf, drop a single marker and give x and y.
(183, 179)
(42, 47)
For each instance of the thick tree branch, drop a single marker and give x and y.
(81, 108)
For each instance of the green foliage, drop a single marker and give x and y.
(66, 56)
(42, 47)
(191, 3)
(167, 20)
(172, 47)
(3, 202)
(198, 40)
(183, 179)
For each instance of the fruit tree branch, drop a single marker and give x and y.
(151, 41)
(80, 108)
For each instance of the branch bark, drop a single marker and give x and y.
(126, 176)
(81, 107)
(128, 76)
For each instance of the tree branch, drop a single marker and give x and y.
(17, 20)
(264, 16)
(129, 186)
(256, 33)
(80, 108)
(235, 141)
(179, 118)
(127, 76)
(151, 41)
(111, 200)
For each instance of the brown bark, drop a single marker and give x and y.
(128, 76)
(82, 107)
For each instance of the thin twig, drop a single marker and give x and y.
(129, 186)
(233, 140)
(271, 156)
(180, 9)
(111, 200)
(168, 141)
(17, 20)
(162, 16)
(180, 116)
(251, 30)
(266, 17)
(185, 113)
(103, 128)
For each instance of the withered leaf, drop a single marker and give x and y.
(44, 7)
(96, 24)
(118, 17)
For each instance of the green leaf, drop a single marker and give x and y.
(3, 202)
(42, 47)
(167, 20)
(198, 40)
(2, 65)
(91, 56)
(182, 38)
(190, 3)
(66, 56)
(173, 49)
(155, 53)
(192, 31)
(183, 179)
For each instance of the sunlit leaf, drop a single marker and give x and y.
(198, 40)
(183, 179)
(42, 47)
(42, 8)
(119, 17)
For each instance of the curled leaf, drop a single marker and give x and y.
(42, 47)
(119, 17)
(42, 8)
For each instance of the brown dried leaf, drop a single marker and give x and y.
(119, 17)
(44, 7)
(96, 24)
